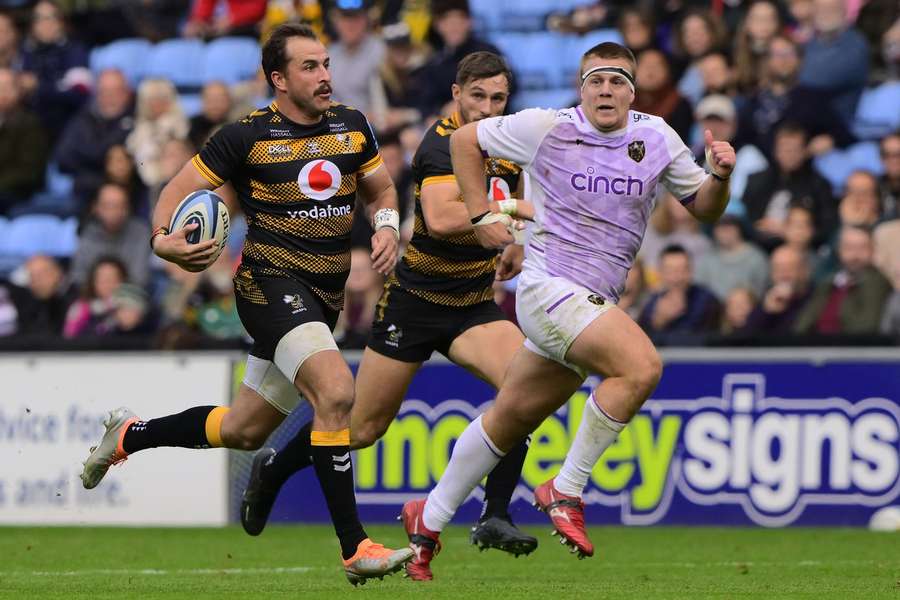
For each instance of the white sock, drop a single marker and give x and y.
(474, 456)
(595, 433)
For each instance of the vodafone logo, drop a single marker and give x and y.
(319, 179)
(499, 189)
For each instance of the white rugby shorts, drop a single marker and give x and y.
(552, 312)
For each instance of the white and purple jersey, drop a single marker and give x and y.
(592, 192)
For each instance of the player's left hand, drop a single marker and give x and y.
(719, 155)
(510, 263)
(384, 250)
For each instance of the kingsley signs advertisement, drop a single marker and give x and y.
(802, 438)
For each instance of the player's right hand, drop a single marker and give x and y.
(494, 235)
(175, 248)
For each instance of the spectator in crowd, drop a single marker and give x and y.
(717, 76)
(40, 308)
(355, 56)
(890, 319)
(681, 306)
(120, 169)
(861, 204)
(733, 263)
(159, 119)
(670, 224)
(175, 153)
(836, 61)
(91, 313)
(55, 78)
(215, 111)
(698, 33)
(852, 300)
(717, 113)
(394, 100)
(800, 234)
(737, 309)
(635, 294)
(131, 315)
(155, 20)
(875, 19)
(10, 54)
(762, 22)
(890, 181)
(580, 20)
(364, 286)
(890, 53)
(23, 146)
(801, 27)
(789, 181)
(780, 99)
(104, 122)
(239, 18)
(656, 94)
(113, 231)
(452, 22)
(638, 28)
(216, 315)
(786, 296)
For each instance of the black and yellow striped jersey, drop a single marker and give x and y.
(454, 270)
(297, 187)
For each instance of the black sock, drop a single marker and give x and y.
(335, 472)
(296, 455)
(502, 481)
(184, 430)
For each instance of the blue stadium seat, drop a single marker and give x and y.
(526, 15)
(231, 59)
(47, 203)
(56, 182)
(67, 238)
(128, 55)
(191, 104)
(179, 61)
(554, 98)
(29, 235)
(487, 16)
(534, 57)
(576, 45)
(878, 111)
(836, 166)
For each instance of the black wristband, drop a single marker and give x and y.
(475, 220)
(719, 177)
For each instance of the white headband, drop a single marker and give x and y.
(610, 69)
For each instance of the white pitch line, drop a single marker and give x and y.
(249, 571)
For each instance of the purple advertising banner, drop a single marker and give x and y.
(730, 437)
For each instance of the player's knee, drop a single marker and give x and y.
(335, 400)
(646, 373)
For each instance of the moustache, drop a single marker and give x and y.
(323, 89)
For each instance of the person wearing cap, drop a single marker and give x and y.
(394, 99)
(355, 55)
(717, 113)
(595, 172)
(131, 314)
(452, 22)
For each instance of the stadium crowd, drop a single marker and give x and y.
(807, 91)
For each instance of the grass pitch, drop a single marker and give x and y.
(302, 562)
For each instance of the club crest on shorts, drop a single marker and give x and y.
(596, 299)
(395, 334)
(636, 150)
(295, 302)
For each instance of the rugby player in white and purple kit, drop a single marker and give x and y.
(595, 170)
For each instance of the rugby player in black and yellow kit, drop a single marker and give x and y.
(440, 298)
(296, 167)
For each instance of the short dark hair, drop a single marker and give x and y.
(439, 8)
(608, 50)
(274, 53)
(481, 65)
(674, 249)
(791, 128)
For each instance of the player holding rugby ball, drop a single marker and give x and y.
(296, 166)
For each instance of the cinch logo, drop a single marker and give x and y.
(772, 457)
(319, 179)
(597, 184)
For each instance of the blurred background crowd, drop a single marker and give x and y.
(102, 101)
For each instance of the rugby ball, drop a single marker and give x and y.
(207, 210)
